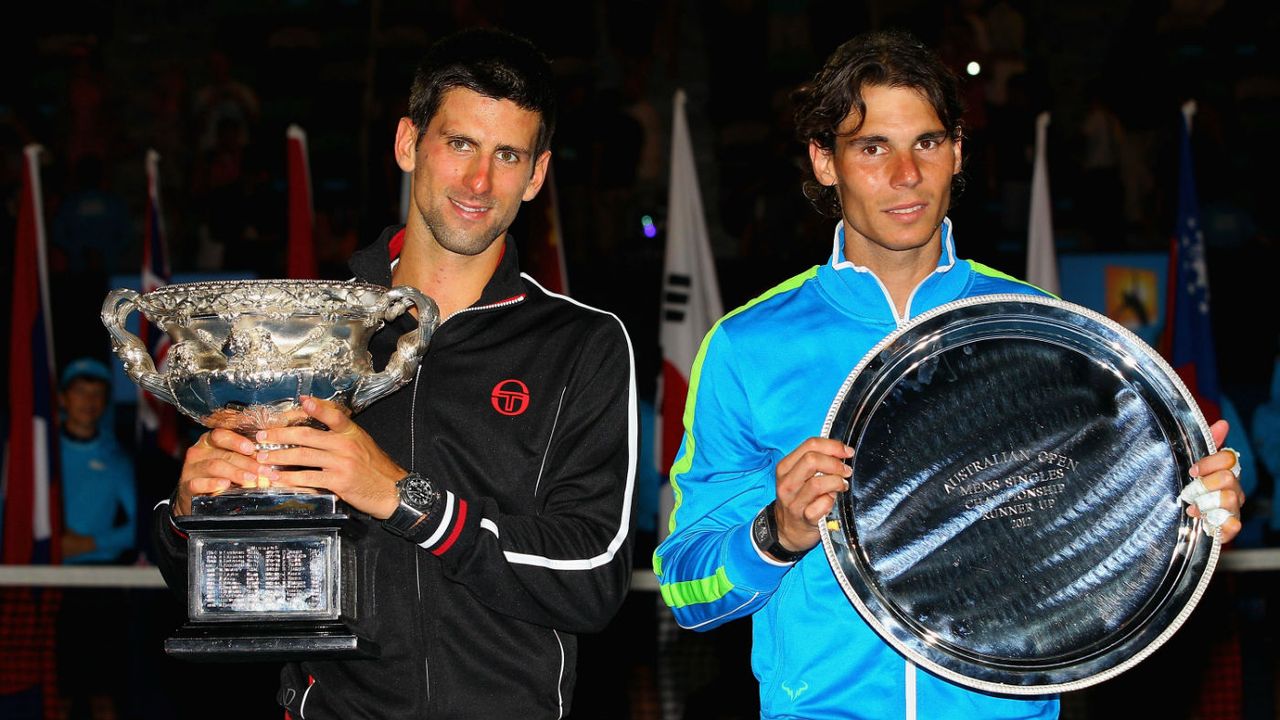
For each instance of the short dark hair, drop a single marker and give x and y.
(881, 58)
(493, 63)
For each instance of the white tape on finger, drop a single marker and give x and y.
(1193, 490)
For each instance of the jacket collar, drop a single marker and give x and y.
(373, 264)
(857, 291)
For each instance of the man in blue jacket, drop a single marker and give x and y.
(884, 134)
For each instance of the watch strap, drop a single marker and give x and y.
(765, 533)
(406, 522)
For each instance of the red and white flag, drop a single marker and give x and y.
(31, 510)
(301, 262)
(157, 420)
(545, 247)
(32, 505)
(690, 300)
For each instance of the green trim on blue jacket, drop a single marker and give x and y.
(762, 382)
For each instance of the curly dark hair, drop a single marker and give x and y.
(882, 58)
(493, 63)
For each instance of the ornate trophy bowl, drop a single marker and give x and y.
(271, 572)
(1012, 522)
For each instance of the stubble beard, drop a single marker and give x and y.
(459, 241)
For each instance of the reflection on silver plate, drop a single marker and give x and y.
(1012, 522)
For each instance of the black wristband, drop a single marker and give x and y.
(764, 530)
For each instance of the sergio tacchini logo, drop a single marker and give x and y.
(510, 397)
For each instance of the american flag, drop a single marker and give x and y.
(157, 420)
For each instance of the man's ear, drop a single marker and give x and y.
(406, 144)
(822, 162)
(539, 176)
(956, 148)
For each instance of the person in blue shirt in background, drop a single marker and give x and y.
(98, 489)
(99, 526)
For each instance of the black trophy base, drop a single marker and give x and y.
(268, 642)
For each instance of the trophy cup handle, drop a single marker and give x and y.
(137, 361)
(409, 349)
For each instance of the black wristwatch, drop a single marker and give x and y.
(764, 530)
(419, 499)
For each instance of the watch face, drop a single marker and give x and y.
(760, 530)
(418, 492)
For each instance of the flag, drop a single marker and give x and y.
(1188, 345)
(32, 517)
(545, 247)
(157, 425)
(1188, 337)
(1042, 260)
(31, 459)
(690, 298)
(301, 261)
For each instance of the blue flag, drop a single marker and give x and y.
(1188, 338)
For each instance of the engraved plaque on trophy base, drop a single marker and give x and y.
(272, 572)
(272, 575)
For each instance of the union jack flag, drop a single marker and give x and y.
(157, 420)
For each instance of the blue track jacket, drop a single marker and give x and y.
(762, 382)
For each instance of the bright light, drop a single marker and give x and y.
(973, 68)
(650, 230)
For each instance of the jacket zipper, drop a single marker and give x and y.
(476, 308)
(413, 463)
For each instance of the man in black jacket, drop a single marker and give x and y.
(498, 485)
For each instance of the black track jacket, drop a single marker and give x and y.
(524, 408)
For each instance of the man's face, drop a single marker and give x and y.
(84, 400)
(472, 168)
(893, 177)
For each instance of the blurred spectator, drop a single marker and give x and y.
(97, 475)
(1007, 163)
(231, 190)
(1251, 535)
(1266, 438)
(225, 105)
(1006, 34)
(86, 92)
(1101, 192)
(91, 232)
(92, 227)
(99, 507)
(964, 40)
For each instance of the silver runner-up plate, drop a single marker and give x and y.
(1012, 522)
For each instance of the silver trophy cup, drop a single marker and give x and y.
(272, 572)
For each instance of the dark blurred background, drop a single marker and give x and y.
(212, 86)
